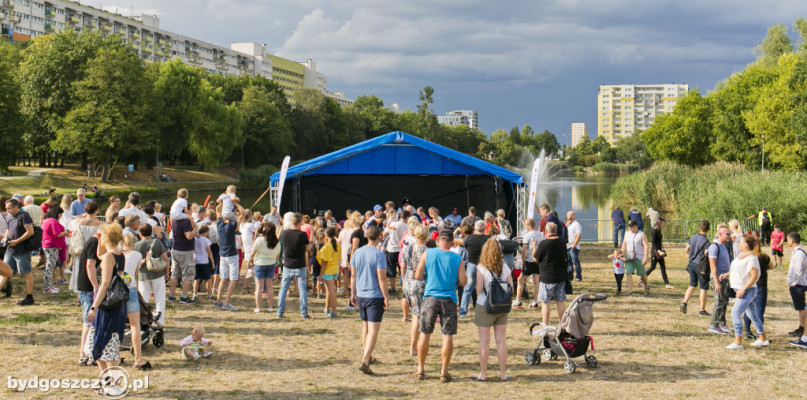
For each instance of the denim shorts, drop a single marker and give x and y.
(133, 305)
(548, 292)
(264, 271)
(86, 303)
(694, 277)
(21, 263)
(330, 277)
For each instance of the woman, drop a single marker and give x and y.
(490, 266)
(504, 224)
(736, 234)
(114, 208)
(106, 331)
(761, 301)
(743, 277)
(328, 219)
(67, 222)
(413, 288)
(247, 229)
(657, 253)
(85, 227)
(344, 242)
(148, 281)
(132, 266)
(328, 257)
(53, 245)
(264, 256)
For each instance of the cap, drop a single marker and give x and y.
(633, 223)
(764, 208)
(454, 209)
(377, 207)
(446, 233)
(406, 201)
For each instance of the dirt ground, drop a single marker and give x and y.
(646, 349)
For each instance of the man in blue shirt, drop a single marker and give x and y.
(720, 263)
(228, 259)
(368, 272)
(77, 207)
(635, 215)
(618, 218)
(444, 271)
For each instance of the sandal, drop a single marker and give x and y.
(445, 378)
(82, 362)
(507, 379)
(372, 360)
(475, 378)
(144, 367)
(420, 375)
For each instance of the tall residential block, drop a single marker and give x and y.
(460, 117)
(625, 109)
(578, 133)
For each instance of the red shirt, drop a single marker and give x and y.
(45, 207)
(777, 240)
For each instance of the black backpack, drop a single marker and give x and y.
(500, 296)
(704, 269)
(33, 242)
(508, 246)
(766, 220)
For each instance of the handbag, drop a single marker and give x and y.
(154, 264)
(726, 289)
(117, 294)
(660, 254)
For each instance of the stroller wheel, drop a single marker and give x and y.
(591, 361)
(531, 358)
(548, 355)
(158, 341)
(569, 367)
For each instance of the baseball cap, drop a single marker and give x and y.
(633, 223)
(377, 207)
(446, 233)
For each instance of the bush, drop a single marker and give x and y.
(256, 178)
(615, 169)
(578, 168)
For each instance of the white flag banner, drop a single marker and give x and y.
(533, 187)
(281, 182)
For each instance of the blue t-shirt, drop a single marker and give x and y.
(636, 216)
(442, 270)
(718, 251)
(618, 217)
(367, 260)
(77, 207)
(226, 233)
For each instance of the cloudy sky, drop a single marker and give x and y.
(515, 62)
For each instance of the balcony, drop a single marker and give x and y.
(50, 13)
(49, 27)
(135, 45)
(136, 35)
(107, 28)
(163, 42)
(149, 39)
(74, 20)
(148, 49)
(6, 4)
(159, 53)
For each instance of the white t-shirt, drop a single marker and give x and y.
(633, 243)
(265, 255)
(226, 200)
(740, 271)
(125, 212)
(395, 232)
(574, 229)
(488, 277)
(178, 209)
(528, 239)
(619, 265)
(132, 263)
(247, 234)
(200, 250)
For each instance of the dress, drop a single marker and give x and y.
(106, 330)
(412, 288)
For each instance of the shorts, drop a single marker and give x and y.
(19, 263)
(86, 302)
(695, 279)
(229, 215)
(264, 271)
(634, 267)
(444, 308)
(183, 265)
(797, 295)
(530, 268)
(392, 264)
(371, 309)
(548, 292)
(779, 253)
(316, 269)
(203, 271)
(133, 305)
(330, 277)
(484, 320)
(228, 268)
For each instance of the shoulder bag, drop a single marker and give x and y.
(154, 264)
(117, 294)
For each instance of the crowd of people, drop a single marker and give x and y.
(444, 265)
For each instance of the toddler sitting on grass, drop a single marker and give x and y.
(195, 345)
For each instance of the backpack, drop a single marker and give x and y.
(508, 246)
(704, 269)
(35, 241)
(500, 296)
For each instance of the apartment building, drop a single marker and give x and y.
(460, 117)
(578, 133)
(625, 109)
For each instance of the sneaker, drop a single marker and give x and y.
(186, 300)
(348, 308)
(217, 304)
(726, 328)
(734, 346)
(171, 297)
(683, 308)
(270, 309)
(517, 305)
(61, 282)
(305, 316)
(194, 298)
(229, 307)
(704, 313)
(799, 343)
(52, 290)
(256, 310)
(761, 343)
(717, 330)
(533, 306)
(280, 315)
(750, 336)
(578, 280)
(28, 301)
(798, 332)
(340, 290)
(210, 297)
(365, 369)
(206, 354)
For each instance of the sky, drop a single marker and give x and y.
(514, 62)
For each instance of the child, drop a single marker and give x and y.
(228, 200)
(195, 345)
(619, 269)
(329, 255)
(316, 267)
(204, 261)
(179, 210)
(777, 245)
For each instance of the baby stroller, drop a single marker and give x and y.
(570, 339)
(150, 329)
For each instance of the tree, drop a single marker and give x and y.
(11, 121)
(631, 150)
(504, 151)
(377, 119)
(267, 134)
(108, 119)
(683, 136)
(599, 144)
(428, 127)
(181, 89)
(775, 44)
(800, 27)
(220, 132)
(547, 141)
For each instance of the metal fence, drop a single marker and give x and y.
(674, 231)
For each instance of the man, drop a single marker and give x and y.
(471, 218)
(295, 260)
(473, 244)
(696, 249)
(17, 256)
(50, 202)
(636, 249)
(131, 224)
(373, 220)
(797, 280)
(455, 217)
(551, 257)
(653, 215)
(548, 216)
(573, 246)
(765, 221)
(183, 260)
(229, 267)
(391, 211)
(87, 283)
(395, 233)
(444, 271)
(36, 215)
(635, 215)
(369, 291)
(77, 206)
(131, 207)
(719, 264)
(152, 282)
(273, 217)
(529, 242)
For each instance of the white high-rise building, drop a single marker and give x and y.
(460, 117)
(625, 109)
(578, 132)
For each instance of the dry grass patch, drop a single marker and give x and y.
(646, 349)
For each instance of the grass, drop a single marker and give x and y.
(645, 348)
